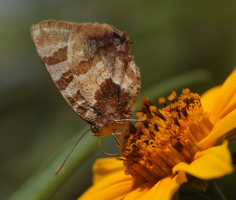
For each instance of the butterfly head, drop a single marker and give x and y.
(101, 130)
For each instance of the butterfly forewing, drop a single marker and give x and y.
(92, 67)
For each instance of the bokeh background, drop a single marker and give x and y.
(172, 37)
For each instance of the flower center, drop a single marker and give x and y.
(165, 138)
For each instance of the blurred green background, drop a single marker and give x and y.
(172, 37)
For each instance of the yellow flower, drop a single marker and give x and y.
(187, 137)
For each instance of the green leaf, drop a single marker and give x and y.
(44, 183)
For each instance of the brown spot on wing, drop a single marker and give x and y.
(65, 80)
(57, 57)
(107, 97)
(81, 111)
(76, 98)
(72, 100)
(84, 66)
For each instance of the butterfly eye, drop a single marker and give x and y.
(119, 43)
(94, 128)
(119, 39)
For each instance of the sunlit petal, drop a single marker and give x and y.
(115, 186)
(166, 188)
(163, 189)
(226, 95)
(228, 109)
(140, 191)
(105, 166)
(208, 98)
(223, 127)
(209, 164)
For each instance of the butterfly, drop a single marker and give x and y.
(92, 67)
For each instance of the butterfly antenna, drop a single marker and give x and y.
(71, 152)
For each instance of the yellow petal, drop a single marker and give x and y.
(105, 166)
(220, 129)
(231, 107)
(226, 94)
(208, 98)
(140, 191)
(110, 181)
(163, 189)
(114, 186)
(212, 163)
